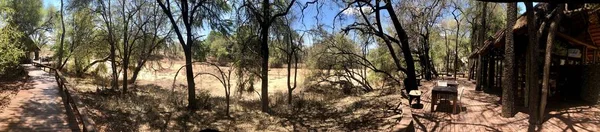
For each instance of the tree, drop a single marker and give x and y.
(130, 38)
(532, 76)
(265, 20)
(509, 72)
(548, 58)
(151, 36)
(481, 35)
(9, 59)
(401, 39)
(106, 14)
(194, 14)
(420, 18)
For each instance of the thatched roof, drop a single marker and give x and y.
(574, 28)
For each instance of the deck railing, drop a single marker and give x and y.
(74, 107)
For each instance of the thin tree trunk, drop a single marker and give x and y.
(447, 54)
(62, 36)
(456, 47)
(264, 36)
(509, 72)
(548, 58)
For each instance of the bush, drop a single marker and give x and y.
(10, 53)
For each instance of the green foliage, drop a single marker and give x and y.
(218, 46)
(246, 57)
(10, 53)
(332, 52)
(25, 15)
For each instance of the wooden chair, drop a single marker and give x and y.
(459, 105)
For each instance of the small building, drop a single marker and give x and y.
(31, 50)
(574, 71)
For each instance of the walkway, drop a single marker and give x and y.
(37, 109)
(482, 112)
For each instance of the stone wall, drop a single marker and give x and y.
(590, 90)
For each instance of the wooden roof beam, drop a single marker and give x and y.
(574, 40)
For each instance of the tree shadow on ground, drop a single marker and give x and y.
(573, 114)
(40, 116)
(152, 108)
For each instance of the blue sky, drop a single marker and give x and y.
(325, 15)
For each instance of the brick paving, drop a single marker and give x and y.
(482, 112)
(36, 109)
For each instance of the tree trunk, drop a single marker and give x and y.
(411, 81)
(62, 36)
(509, 72)
(532, 67)
(447, 54)
(456, 48)
(189, 73)
(264, 36)
(137, 70)
(548, 58)
(125, 65)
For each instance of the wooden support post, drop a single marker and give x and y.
(480, 72)
(491, 74)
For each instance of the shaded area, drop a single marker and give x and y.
(151, 107)
(482, 112)
(36, 107)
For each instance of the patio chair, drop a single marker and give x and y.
(441, 83)
(459, 105)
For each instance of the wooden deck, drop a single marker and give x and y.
(39, 108)
(482, 112)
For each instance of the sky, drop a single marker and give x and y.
(312, 16)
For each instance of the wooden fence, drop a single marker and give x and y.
(74, 107)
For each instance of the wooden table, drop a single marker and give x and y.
(452, 84)
(444, 90)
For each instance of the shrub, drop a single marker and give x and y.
(10, 53)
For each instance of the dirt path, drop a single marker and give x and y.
(36, 109)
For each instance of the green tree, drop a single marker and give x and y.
(9, 59)
(194, 14)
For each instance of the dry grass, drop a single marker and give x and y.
(155, 104)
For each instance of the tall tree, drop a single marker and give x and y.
(129, 38)
(532, 75)
(62, 34)
(151, 36)
(265, 20)
(420, 18)
(481, 39)
(548, 57)
(509, 71)
(194, 14)
(401, 37)
(106, 13)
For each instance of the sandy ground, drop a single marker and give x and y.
(164, 78)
